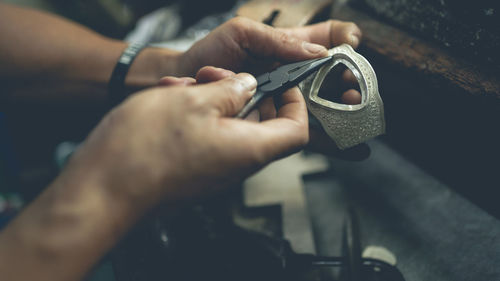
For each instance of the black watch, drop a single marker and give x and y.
(116, 86)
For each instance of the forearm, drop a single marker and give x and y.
(65, 231)
(49, 59)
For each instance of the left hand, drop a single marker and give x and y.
(242, 44)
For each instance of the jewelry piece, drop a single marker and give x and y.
(347, 125)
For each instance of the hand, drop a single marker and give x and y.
(169, 144)
(245, 45)
(180, 142)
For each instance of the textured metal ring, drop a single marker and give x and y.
(347, 125)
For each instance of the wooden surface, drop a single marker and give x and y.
(408, 52)
(288, 13)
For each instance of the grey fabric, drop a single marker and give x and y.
(435, 233)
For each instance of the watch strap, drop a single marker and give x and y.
(116, 87)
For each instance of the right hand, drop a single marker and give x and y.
(182, 142)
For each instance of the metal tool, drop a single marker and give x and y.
(281, 79)
(347, 125)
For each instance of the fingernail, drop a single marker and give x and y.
(354, 40)
(168, 80)
(247, 81)
(225, 72)
(188, 80)
(313, 48)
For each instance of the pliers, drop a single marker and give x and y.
(281, 79)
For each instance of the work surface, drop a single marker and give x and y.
(434, 233)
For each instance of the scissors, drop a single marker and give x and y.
(281, 79)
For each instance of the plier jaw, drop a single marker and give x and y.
(282, 79)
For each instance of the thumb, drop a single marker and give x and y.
(229, 95)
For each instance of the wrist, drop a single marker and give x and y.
(65, 230)
(98, 191)
(150, 65)
(76, 206)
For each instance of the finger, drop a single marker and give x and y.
(293, 106)
(253, 116)
(289, 131)
(261, 40)
(349, 78)
(229, 95)
(351, 97)
(329, 33)
(209, 74)
(267, 109)
(176, 81)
